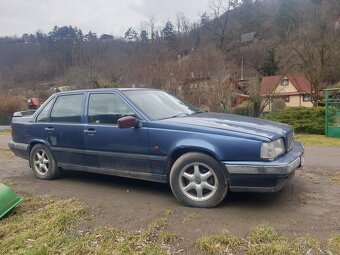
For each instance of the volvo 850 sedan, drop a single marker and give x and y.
(149, 134)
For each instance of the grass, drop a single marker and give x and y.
(336, 178)
(168, 212)
(265, 240)
(43, 225)
(5, 132)
(191, 216)
(318, 140)
(335, 243)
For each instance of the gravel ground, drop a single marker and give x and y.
(308, 205)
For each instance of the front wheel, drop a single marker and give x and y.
(43, 163)
(197, 180)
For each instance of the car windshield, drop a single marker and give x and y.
(159, 105)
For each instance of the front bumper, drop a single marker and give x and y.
(268, 176)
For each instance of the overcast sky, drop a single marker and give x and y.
(100, 16)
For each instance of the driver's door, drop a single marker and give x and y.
(109, 147)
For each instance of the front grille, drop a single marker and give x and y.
(290, 141)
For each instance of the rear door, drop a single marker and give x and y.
(111, 148)
(65, 130)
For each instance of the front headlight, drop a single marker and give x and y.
(272, 149)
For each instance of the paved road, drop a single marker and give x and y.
(5, 127)
(322, 157)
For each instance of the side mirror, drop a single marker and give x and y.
(128, 122)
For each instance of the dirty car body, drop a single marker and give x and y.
(148, 134)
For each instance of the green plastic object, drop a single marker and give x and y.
(332, 113)
(8, 199)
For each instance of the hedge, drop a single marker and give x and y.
(8, 105)
(302, 119)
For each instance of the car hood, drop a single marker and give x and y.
(230, 122)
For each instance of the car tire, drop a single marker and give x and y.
(197, 180)
(43, 164)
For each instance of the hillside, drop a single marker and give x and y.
(272, 36)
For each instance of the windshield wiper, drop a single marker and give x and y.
(197, 112)
(182, 114)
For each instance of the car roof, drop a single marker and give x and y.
(105, 90)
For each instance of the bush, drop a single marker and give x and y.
(9, 105)
(304, 120)
(247, 108)
(244, 110)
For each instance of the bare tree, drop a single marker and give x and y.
(217, 20)
(314, 47)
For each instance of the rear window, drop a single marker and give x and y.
(67, 109)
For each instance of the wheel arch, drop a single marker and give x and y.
(178, 152)
(35, 142)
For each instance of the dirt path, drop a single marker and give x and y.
(310, 204)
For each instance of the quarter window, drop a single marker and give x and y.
(43, 115)
(107, 109)
(67, 109)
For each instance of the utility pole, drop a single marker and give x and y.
(242, 70)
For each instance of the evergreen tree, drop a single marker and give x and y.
(168, 32)
(270, 66)
(91, 37)
(131, 35)
(144, 36)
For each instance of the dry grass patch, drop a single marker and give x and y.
(168, 212)
(219, 244)
(336, 178)
(191, 217)
(265, 240)
(7, 182)
(43, 225)
(6, 153)
(5, 132)
(335, 243)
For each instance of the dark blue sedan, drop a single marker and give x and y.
(148, 134)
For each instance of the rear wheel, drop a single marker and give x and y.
(197, 180)
(43, 163)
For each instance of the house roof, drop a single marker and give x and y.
(33, 101)
(248, 37)
(300, 82)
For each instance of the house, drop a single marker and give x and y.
(248, 37)
(293, 89)
(210, 92)
(106, 38)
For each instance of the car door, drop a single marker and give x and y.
(112, 148)
(65, 130)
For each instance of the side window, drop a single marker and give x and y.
(43, 115)
(67, 109)
(107, 109)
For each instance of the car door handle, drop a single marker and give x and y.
(90, 131)
(49, 129)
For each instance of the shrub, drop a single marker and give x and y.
(245, 110)
(304, 120)
(9, 105)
